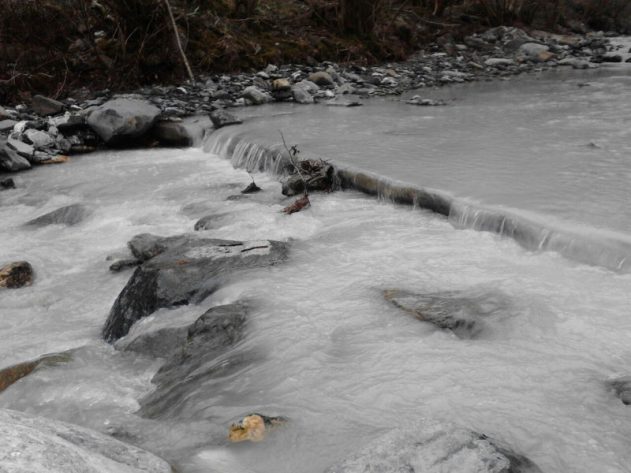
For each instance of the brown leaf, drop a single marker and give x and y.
(298, 205)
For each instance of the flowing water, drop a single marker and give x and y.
(324, 347)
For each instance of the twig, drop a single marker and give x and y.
(179, 43)
(292, 154)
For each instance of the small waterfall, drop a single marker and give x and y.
(589, 246)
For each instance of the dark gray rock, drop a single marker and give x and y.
(162, 343)
(10, 160)
(461, 312)
(6, 125)
(16, 275)
(123, 121)
(68, 122)
(46, 106)
(222, 117)
(612, 58)
(30, 444)
(435, 446)
(256, 96)
(184, 269)
(68, 215)
(170, 133)
(121, 264)
(23, 149)
(622, 388)
(7, 183)
(251, 188)
(318, 176)
(198, 358)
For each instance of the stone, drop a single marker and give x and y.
(39, 139)
(322, 78)
(418, 100)
(195, 360)
(318, 176)
(23, 149)
(498, 61)
(301, 95)
(122, 121)
(307, 85)
(622, 388)
(170, 133)
(205, 223)
(575, 63)
(31, 444)
(10, 160)
(183, 269)
(7, 183)
(162, 343)
(253, 427)
(461, 312)
(222, 117)
(251, 188)
(16, 275)
(612, 58)
(10, 375)
(68, 215)
(68, 122)
(7, 125)
(433, 446)
(532, 50)
(545, 56)
(256, 96)
(121, 264)
(281, 85)
(46, 106)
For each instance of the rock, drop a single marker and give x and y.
(198, 359)
(39, 139)
(322, 78)
(301, 95)
(460, 312)
(222, 118)
(14, 373)
(7, 125)
(256, 96)
(317, 174)
(417, 100)
(498, 61)
(253, 427)
(575, 63)
(30, 444)
(68, 215)
(59, 159)
(46, 106)
(123, 121)
(545, 56)
(308, 86)
(251, 188)
(7, 183)
(68, 122)
(10, 160)
(205, 223)
(16, 275)
(344, 103)
(184, 269)
(622, 388)
(532, 50)
(121, 264)
(170, 133)
(281, 85)
(23, 149)
(431, 446)
(612, 58)
(161, 343)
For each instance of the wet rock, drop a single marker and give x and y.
(14, 373)
(532, 50)
(123, 121)
(68, 215)
(10, 160)
(196, 359)
(612, 58)
(318, 176)
(462, 313)
(622, 388)
(16, 275)
(6, 125)
(46, 106)
(68, 122)
(205, 223)
(121, 264)
(30, 444)
(7, 183)
(575, 63)
(256, 96)
(170, 133)
(301, 95)
(435, 446)
(222, 117)
(344, 103)
(321, 78)
(251, 188)
(418, 100)
(183, 269)
(162, 343)
(498, 61)
(253, 427)
(39, 139)
(23, 149)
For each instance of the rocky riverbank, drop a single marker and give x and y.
(47, 131)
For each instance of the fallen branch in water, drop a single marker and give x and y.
(298, 205)
(302, 202)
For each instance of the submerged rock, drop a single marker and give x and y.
(432, 446)
(622, 388)
(68, 215)
(161, 343)
(253, 427)
(30, 444)
(251, 188)
(121, 264)
(7, 183)
(459, 312)
(123, 121)
(182, 269)
(14, 373)
(16, 275)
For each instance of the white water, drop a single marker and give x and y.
(328, 352)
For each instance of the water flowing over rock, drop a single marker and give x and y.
(14, 373)
(622, 388)
(182, 269)
(30, 444)
(123, 121)
(193, 361)
(221, 118)
(16, 275)
(68, 215)
(460, 312)
(434, 447)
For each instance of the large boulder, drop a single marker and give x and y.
(123, 121)
(222, 117)
(46, 106)
(182, 269)
(68, 215)
(30, 444)
(461, 312)
(197, 359)
(434, 447)
(10, 160)
(172, 133)
(15, 275)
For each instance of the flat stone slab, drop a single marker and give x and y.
(68, 215)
